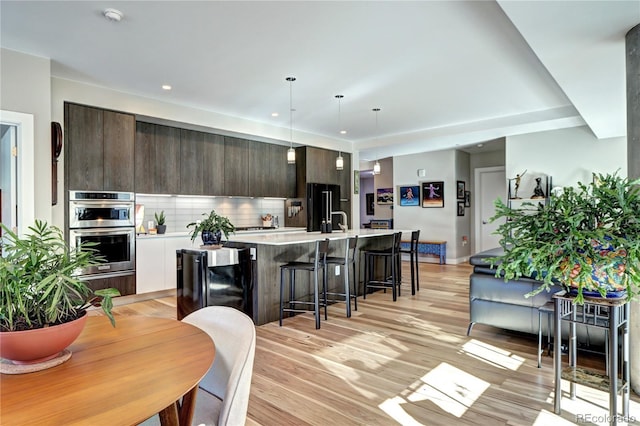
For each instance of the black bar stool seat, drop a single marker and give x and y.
(390, 256)
(349, 259)
(318, 265)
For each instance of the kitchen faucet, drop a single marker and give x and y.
(344, 216)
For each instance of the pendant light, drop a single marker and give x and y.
(291, 153)
(340, 160)
(376, 166)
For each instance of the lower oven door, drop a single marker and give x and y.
(116, 245)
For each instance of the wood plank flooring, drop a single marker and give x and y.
(408, 362)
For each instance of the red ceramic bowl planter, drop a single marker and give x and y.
(40, 344)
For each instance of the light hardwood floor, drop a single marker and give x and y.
(408, 362)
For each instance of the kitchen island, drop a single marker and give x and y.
(270, 250)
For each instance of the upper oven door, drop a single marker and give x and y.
(93, 214)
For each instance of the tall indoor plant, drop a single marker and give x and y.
(586, 238)
(211, 228)
(39, 286)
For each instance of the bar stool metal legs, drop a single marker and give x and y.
(413, 260)
(348, 260)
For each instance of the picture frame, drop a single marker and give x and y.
(460, 188)
(409, 195)
(467, 198)
(384, 195)
(356, 181)
(370, 204)
(460, 208)
(433, 194)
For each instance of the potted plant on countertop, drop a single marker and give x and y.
(585, 238)
(43, 303)
(211, 229)
(161, 227)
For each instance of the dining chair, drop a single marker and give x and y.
(223, 395)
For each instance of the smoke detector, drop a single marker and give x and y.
(113, 15)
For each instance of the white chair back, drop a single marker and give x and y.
(229, 378)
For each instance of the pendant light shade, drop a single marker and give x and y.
(339, 159)
(291, 153)
(376, 166)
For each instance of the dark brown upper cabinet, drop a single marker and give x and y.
(157, 159)
(236, 168)
(99, 149)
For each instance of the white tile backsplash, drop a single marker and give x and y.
(180, 211)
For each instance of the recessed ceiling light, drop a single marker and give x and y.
(480, 145)
(166, 87)
(114, 15)
(274, 114)
(343, 132)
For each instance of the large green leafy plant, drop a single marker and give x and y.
(583, 237)
(39, 286)
(212, 222)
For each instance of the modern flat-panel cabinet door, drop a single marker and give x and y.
(119, 151)
(214, 164)
(236, 154)
(99, 149)
(260, 184)
(84, 134)
(281, 174)
(192, 162)
(157, 164)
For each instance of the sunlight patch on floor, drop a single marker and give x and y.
(428, 328)
(446, 386)
(492, 355)
(546, 418)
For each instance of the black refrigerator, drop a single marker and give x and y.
(200, 285)
(322, 199)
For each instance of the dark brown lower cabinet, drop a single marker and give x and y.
(126, 284)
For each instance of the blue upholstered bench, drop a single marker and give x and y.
(431, 247)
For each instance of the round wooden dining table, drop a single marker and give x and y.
(115, 376)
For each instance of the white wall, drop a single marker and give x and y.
(568, 156)
(433, 223)
(25, 86)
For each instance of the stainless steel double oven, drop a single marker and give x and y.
(107, 219)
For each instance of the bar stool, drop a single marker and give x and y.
(319, 264)
(348, 259)
(390, 256)
(413, 260)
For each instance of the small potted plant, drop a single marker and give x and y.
(585, 238)
(211, 228)
(41, 295)
(161, 227)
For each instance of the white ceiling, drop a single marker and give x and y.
(444, 73)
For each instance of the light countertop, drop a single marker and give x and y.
(237, 233)
(278, 239)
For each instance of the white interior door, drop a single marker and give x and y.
(17, 169)
(490, 184)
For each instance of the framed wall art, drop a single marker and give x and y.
(460, 190)
(460, 208)
(433, 194)
(370, 204)
(409, 195)
(467, 198)
(384, 196)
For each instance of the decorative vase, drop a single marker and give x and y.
(607, 272)
(161, 229)
(39, 344)
(210, 238)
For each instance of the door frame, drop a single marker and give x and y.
(26, 169)
(476, 209)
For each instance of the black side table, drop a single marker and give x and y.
(611, 314)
